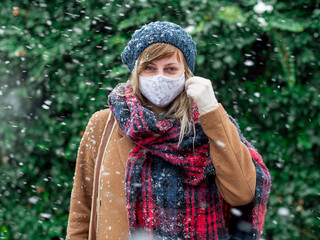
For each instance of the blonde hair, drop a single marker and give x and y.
(181, 107)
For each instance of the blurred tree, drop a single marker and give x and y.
(60, 59)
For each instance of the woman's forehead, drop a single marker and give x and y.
(167, 60)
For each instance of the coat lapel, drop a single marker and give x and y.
(124, 146)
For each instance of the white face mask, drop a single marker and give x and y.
(161, 90)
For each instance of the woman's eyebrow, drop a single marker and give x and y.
(168, 64)
(173, 63)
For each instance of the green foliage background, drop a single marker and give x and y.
(60, 59)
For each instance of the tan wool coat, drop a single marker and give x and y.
(235, 174)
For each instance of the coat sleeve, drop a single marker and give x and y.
(235, 170)
(81, 196)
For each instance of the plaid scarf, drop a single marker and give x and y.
(170, 189)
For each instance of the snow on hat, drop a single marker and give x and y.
(164, 32)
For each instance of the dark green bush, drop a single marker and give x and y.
(60, 59)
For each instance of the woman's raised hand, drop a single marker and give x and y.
(201, 92)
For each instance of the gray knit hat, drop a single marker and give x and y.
(155, 32)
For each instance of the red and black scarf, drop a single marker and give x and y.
(170, 189)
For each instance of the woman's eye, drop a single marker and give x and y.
(171, 69)
(148, 68)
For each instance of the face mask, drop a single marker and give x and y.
(161, 90)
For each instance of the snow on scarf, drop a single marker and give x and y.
(170, 189)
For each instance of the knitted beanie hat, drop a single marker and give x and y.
(164, 32)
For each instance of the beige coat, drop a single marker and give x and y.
(235, 174)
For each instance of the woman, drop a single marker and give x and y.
(176, 164)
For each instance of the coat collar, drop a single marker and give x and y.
(124, 146)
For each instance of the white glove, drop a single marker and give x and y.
(201, 92)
